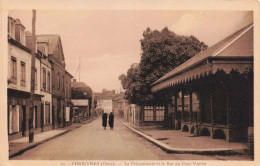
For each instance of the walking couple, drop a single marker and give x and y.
(110, 120)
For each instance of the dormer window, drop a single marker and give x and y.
(19, 32)
(11, 29)
(22, 36)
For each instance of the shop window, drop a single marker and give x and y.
(159, 113)
(148, 113)
(13, 119)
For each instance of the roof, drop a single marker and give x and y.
(66, 72)
(79, 85)
(119, 96)
(101, 96)
(53, 40)
(80, 102)
(236, 46)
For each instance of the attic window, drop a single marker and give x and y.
(22, 36)
(12, 29)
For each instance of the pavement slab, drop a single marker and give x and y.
(182, 142)
(39, 137)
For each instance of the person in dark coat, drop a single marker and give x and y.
(104, 120)
(111, 121)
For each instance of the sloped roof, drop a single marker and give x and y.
(80, 102)
(79, 85)
(237, 45)
(102, 96)
(53, 40)
(119, 96)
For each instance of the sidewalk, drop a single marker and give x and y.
(175, 141)
(18, 146)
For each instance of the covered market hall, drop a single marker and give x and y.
(212, 93)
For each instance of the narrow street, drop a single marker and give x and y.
(92, 142)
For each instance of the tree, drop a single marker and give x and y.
(162, 51)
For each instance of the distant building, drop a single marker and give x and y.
(104, 100)
(80, 91)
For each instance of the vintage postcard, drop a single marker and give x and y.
(137, 83)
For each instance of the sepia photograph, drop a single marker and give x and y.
(141, 86)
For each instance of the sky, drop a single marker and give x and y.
(106, 42)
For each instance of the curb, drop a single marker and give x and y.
(168, 149)
(48, 139)
(36, 144)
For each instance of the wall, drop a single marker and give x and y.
(24, 56)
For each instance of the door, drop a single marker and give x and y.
(24, 120)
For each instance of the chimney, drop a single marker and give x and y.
(29, 40)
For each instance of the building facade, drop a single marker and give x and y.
(19, 82)
(212, 93)
(81, 91)
(46, 84)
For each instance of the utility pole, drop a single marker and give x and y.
(79, 69)
(32, 96)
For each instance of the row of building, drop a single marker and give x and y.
(53, 107)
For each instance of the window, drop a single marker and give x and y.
(35, 78)
(148, 113)
(66, 89)
(12, 30)
(23, 82)
(58, 80)
(49, 81)
(53, 79)
(63, 83)
(13, 70)
(22, 36)
(44, 79)
(159, 113)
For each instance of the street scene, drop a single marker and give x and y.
(130, 85)
(93, 143)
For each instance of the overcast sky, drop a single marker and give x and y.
(106, 42)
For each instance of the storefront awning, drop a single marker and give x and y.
(232, 53)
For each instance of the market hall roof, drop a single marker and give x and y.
(232, 53)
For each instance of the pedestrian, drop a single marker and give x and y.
(111, 121)
(104, 120)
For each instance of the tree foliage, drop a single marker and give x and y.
(162, 51)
